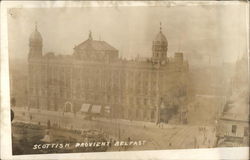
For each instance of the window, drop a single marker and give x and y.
(137, 113)
(234, 128)
(152, 114)
(144, 114)
(246, 131)
(108, 99)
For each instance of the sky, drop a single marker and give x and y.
(199, 31)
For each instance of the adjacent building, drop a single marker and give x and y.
(233, 125)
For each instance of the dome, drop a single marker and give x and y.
(36, 36)
(160, 37)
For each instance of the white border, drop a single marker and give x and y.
(187, 154)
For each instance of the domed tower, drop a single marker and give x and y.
(35, 44)
(160, 48)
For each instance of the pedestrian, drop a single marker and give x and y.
(129, 139)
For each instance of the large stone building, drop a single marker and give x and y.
(95, 75)
(233, 125)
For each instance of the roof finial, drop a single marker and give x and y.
(36, 26)
(90, 35)
(160, 27)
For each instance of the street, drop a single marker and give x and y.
(162, 136)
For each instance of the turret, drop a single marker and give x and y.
(35, 44)
(159, 48)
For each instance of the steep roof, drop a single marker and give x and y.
(36, 36)
(160, 37)
(95, 45)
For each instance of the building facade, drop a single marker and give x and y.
(95, 74)
(233, 125)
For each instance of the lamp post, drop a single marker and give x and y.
(158, 111)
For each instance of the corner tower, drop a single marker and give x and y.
(160, 48)
(35, 44)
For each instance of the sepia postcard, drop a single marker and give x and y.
(116, 77)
